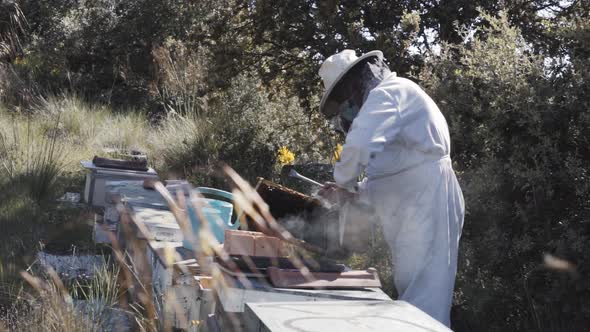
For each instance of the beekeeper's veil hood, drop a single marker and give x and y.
(369, 68)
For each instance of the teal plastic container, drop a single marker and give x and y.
(218, 211)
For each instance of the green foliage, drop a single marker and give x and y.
(213, 81)
(243, 128)
(104, 48)
(17, 84)
(288, 39)
(40, 152)
(520, 167)
(377, 256)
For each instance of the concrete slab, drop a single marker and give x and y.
(339, 316)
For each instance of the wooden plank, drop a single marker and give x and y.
(267, 246)
(180, 253)
(296, 279)
(170, 273)
(239, 242)
(156, 224)
(244, 243)
(136, 249)
(132, 165)
(234, 297)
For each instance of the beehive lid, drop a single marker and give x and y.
(342, 316)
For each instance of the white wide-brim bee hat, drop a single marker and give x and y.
(333, 70)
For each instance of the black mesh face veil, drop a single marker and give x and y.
(358, 81)
(342, 122)
(372, 72)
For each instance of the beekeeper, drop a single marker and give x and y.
(399, 139)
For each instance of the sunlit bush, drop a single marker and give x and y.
(520, 166)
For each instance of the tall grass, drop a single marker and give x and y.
(45, 303)
(30, 160)
(40, 152)
(182, 78)
(12, 28)
(62, 130)
(185, 145)
(89, 128)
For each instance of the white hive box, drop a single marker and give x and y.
(343, 316)
(158, 225)
(96, 178)
(183, 299)
(145, 206)
(232, 301)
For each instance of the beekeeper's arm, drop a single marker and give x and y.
(375, 125)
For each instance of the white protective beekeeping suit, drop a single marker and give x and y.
(401, 140)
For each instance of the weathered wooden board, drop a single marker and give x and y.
(156, 224)
(295, 279)
(234, 297)
(246, 243)
(133, 192)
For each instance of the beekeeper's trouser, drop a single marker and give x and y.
(421, 210)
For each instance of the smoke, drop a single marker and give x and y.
(295, 224)
(325, 228)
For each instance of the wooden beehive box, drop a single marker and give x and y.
(307, 219)
(303, 216)
(283, 201)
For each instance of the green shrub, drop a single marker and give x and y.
(243, 126)
(185, 145)
(519, 164)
